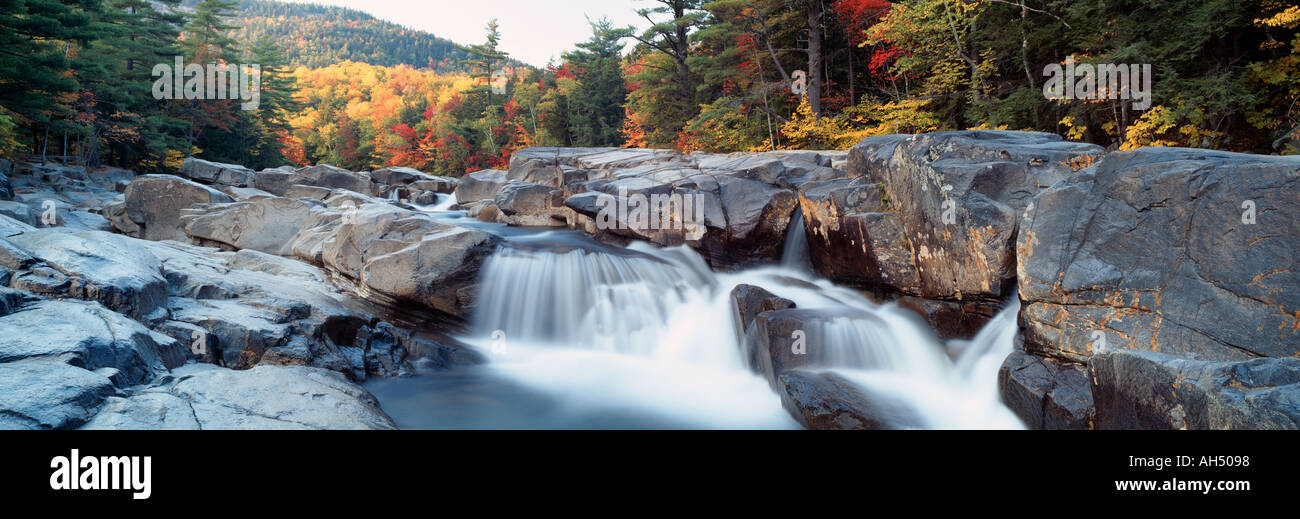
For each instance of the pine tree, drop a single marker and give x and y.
(598, 116)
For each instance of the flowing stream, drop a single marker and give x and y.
(585, 335)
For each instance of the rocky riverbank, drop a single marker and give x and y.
(1156, 287)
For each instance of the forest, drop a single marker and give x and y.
(342, 88)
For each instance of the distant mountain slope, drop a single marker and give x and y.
(316, 36)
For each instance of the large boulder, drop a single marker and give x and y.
(958, 195)
(825, 400)
(216, 173)
(278, 181)
(748, 301)
(480, 185)
(91, 337)
(154, 204)
(402, 255)
(263, 224)
(47, 393)
(91, 265)
(1046, 393)
(388, 178)
(6, 188)
(263, 398)
(1178, 251)
(853, 238)
(61, 359)
(255, 308)
(530, 205)
(1144, 390)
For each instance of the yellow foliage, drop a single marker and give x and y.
(805, 130)
(1288, 19)
(1162, 126)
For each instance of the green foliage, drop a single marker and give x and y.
(597, 118)
(316, 36)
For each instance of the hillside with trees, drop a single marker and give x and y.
(342, 87)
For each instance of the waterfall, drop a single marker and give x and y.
(652, 328)
(795, 253)
(444, 203)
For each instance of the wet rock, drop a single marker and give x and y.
(278, 181)
(263, 398)
(242, 332)
(951, 319)
(93, 266)
(88, 336)
(1144, 390)
(772, 342)
(1152, 253)
(440, 185)
(216, 173)
(748, 301)
(958, 195)
(47, 393)
(1046, 393)
(530, 205)
(154, 204)
(407, 256)
(481, 185)
(6, 188)
(827, 401)
(18, 211)
(267, 225)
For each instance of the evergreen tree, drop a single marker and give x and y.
(597, 118)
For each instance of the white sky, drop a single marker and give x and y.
(533, 31)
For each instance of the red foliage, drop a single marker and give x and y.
(858, 15)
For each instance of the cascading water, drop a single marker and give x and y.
(445, 203)
(795, 254)
(651, 329)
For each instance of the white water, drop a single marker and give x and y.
(444, 203)
(652, 329)
(795, 254)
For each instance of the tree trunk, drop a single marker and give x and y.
(815, 56)
(681, 49)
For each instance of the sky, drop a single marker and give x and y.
(532, 31)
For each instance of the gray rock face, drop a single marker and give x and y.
(530, 205)
(46, 393)
(852, 238)
(61, 359)
(93, 266)
(332, 177)
(267, 225)
(1152, 254)
(390, 178)
(278, 181)
(735, 209)
(209, 397)
(1144, 390)
(481, 185)
(440, 185)
(958, 196)
(91, 337)
(18, 211)
(154, 204)
(6, 189)
(256, 308)
(748, 301)
(827, 401)
(216, 173)
(408, 256)
(1046, 393)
